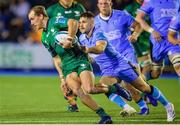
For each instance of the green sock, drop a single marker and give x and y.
(100, 111)
(112, 89)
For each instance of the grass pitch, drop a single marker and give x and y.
(34, 100)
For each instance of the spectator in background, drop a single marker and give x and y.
(18, 25)
(20, 8)
(5, 17)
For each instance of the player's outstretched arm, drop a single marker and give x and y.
(140, 19)
(99, 48)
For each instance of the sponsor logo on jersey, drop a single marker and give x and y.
(77, 13)
(168, 12)
(68, 12)
(112, 35)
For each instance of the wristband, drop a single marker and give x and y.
(61, 76)
(150, 30)
(136, 34)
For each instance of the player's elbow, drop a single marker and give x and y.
(171, 38)
(139, 18)
(100, 50)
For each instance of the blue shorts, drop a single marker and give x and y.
(160, 50)
(122, 71)
(130, 55)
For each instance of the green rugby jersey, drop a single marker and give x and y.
(70, 57)
(74, 12)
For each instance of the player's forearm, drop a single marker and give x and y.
(72, 28)
(57, 64)
(95, 50)
(143, 23)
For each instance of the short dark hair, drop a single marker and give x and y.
(39, 10)
(87, 14)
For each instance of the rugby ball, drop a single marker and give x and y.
(62, 36)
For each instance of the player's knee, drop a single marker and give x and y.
(155, 74)
(156, 70)
(177, 69)
(89, 90)
(80, 93)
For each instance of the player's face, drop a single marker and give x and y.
(105, 7)
(66, 3)
(85, 25)
(36, 21)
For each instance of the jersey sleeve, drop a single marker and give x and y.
(82, 38)
(49, 12)
(146, 7)
(175, 24)
(50, 49)
(128, 18)
(100, 36)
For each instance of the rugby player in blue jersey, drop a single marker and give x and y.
(96, 44)
(160, 12)
(116, 26)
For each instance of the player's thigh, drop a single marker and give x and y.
(108, 80)
(73, 82)
(87, 79)
(175, 60)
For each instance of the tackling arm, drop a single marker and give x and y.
(99, 48)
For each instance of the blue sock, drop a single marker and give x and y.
(142, 104)
(117, 99)
(156, 94)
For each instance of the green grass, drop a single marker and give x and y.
(38, 100)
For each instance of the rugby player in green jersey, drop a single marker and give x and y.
(70, 61)
(69, 9)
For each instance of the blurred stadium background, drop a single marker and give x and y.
(29, 88)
